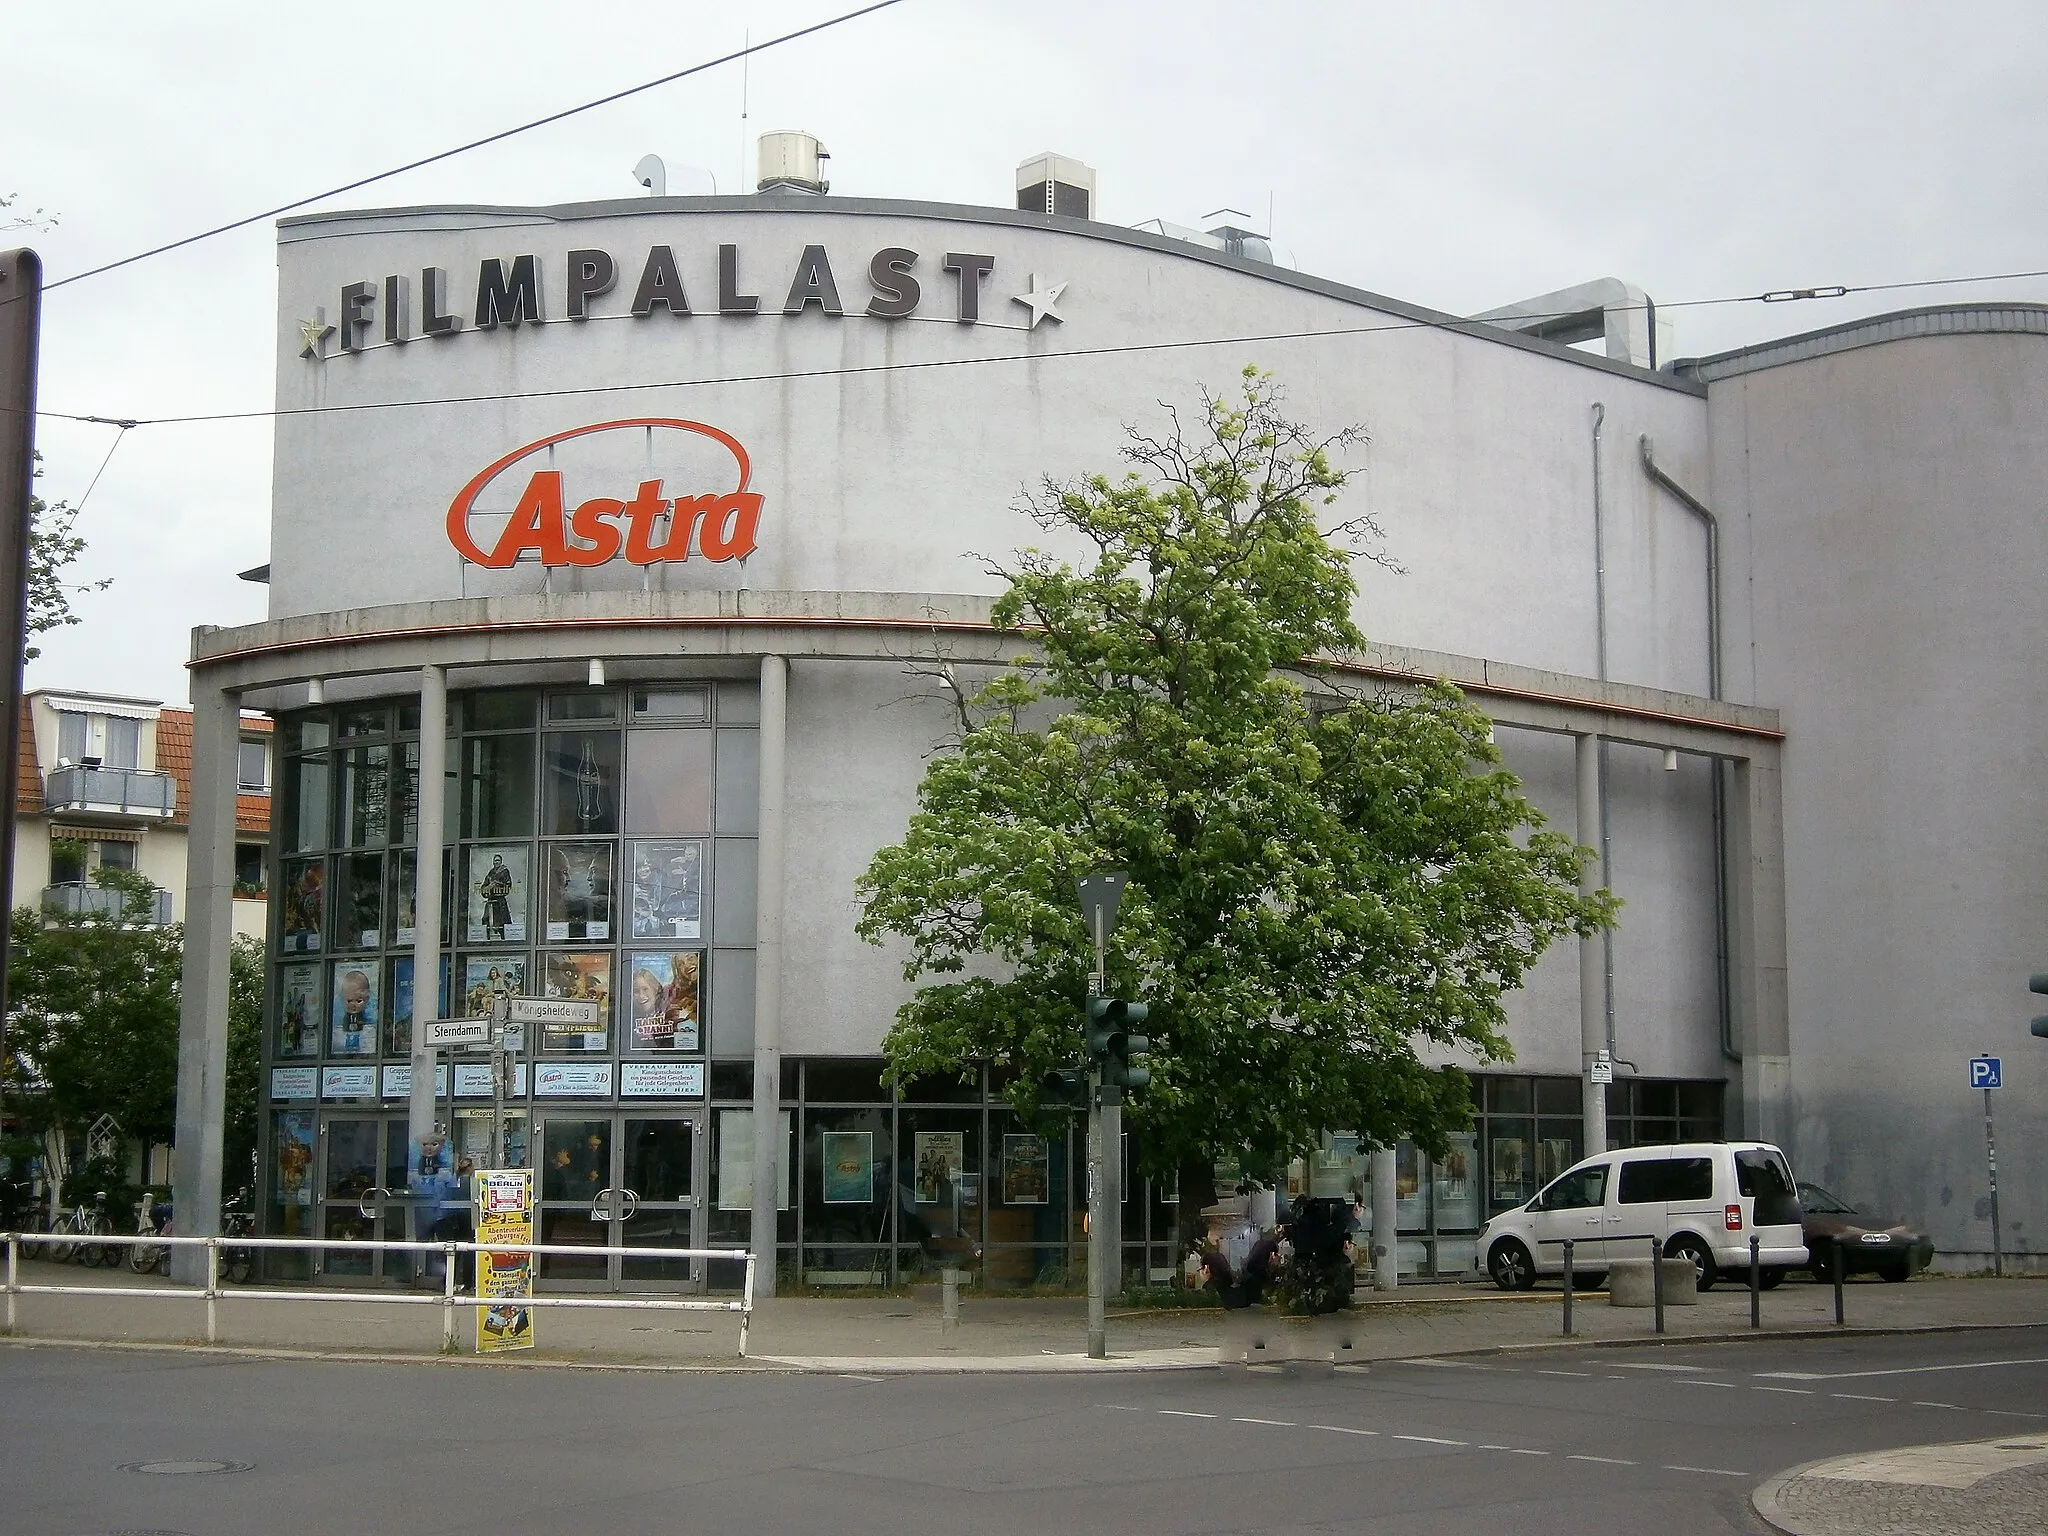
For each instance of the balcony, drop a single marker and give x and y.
(79, 900)
(128, 794)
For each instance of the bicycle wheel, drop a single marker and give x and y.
(142, 1257)
(93, 1254)
(238, 1264)
(60, 1252)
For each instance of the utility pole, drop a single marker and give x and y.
(21, 307)
(1100, 895)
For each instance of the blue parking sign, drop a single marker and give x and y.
(1986, 1072)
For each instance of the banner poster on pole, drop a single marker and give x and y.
(504, 1214)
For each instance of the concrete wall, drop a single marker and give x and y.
(1885, 507)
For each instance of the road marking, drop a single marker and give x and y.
(851, 1376)
(1633, 1365)
(1587, 1374)
(1794, 1391)
(1447, 1365)
(1612, 1461)
(1904, 1370)
(1957, 1406)
(1339, 1429)
(1276, 1423)
(1496, 1447)
(1182, 1413)
(2005, 1413)
(1518, 1451)
(1431, 1440)
(1708, 1471)
(1700, 1381)
(1861, 1397)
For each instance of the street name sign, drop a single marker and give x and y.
(453, 1034)
(556, 1010)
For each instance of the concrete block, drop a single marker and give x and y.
(1629, 1283)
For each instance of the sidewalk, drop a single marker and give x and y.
(898, 1334)
(1977, 1488)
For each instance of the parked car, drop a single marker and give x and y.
(1700, 1200)
(1895, 1250)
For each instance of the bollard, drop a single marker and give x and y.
(1756, 1285)
(1657, 1280)
(212, 1290)
(1838, 1282)
(1568, 1287)
(448, 1297)
(949, 1300)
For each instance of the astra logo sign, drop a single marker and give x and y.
(545, 522)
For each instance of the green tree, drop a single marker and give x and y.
(54, 544)
(93, 1024)
(1318, 885)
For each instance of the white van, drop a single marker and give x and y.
(1703, 1200)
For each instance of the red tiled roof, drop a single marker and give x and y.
(174, 756)
(28, 785)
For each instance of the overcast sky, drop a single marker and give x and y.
(1459, 156)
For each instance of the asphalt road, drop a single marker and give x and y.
(1610, 1440)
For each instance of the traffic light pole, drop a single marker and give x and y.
(1099, 1219)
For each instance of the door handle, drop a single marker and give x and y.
(632, 1199)
(363, 1200)
(600, 1205)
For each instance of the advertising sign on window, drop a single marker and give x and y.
(849, 1167)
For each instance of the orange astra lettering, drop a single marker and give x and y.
(600, 538)
(729, 531)
(641, 512)
(691, 513)
(536, 523)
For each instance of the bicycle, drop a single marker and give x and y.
(76, 1230)
(238, 1220)
(151, 1216)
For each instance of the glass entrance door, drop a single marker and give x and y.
(362, 1196)
(611, 1181)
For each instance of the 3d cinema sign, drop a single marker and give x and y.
(520, 291)
(647, 529)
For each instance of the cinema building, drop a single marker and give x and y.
(622, 520)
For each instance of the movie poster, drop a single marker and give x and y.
(579, 891)
(584, 977)
(504, 1214)
(939, 1156)
(399, 1004)
(667, 1000)
(1026, 1170)
(497, 898)
(293, 1151)
(502, 977)
(668, 890)
(354, 1027)
(405, 898)
(848, 1174)
(359, 901)
(305, 903)
(299, 1012)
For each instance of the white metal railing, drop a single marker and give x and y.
(212, 1291)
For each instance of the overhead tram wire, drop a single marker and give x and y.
(448, 154)
(1455, 323)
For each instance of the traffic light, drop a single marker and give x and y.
(1064, 1086)
(1113, 1047)
(2038, 982)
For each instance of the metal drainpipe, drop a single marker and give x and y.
(1730, 1048)
(1600, 656)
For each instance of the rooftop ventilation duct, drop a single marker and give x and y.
(792, 162)
(1606, 308)
(1231, 238)
(1051, 183)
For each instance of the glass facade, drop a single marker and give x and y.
(544, 894)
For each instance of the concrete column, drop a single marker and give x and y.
(1592, 951)
(1757, 945)
(768, 1148)
(1386, 1256)
(426, 934)
(203, 988)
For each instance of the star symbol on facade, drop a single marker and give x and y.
(313, 334)
(1042, 302)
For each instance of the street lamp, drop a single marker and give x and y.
(1101, 894)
